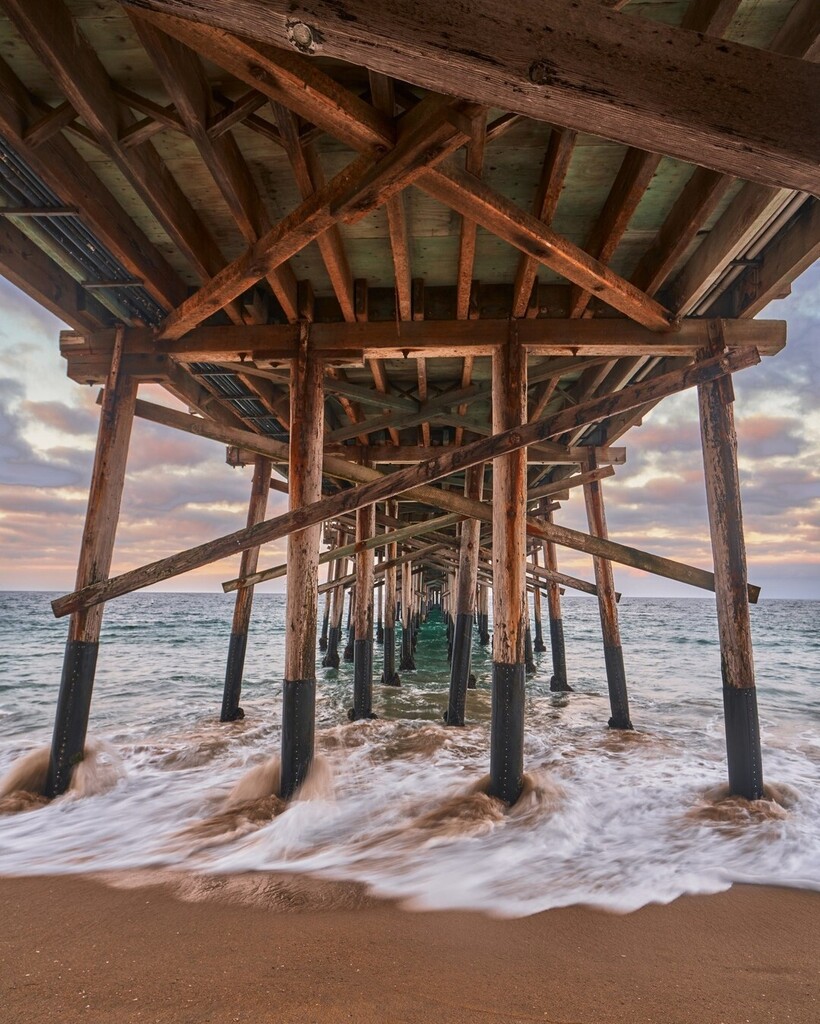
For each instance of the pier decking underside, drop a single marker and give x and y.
(267, 210)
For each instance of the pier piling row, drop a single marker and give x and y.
(506, 279)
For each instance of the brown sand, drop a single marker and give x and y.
(262, 949)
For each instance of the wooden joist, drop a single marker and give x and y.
(573, 64)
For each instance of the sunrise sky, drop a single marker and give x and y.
(179, 492)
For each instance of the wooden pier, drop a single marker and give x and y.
(423, 269)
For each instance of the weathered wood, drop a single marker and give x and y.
(538, 635)
(26, 265)
(59, 165)
(427, 136)
(719, 442)
(305, 489)
(389, 675)
(407, 663)
(331, 658)
(608, 608)
(556, 164)
(509, 576)
(568, 64)
(556, 486)
(558, 681)
(96, 549)
(356, 341)
(59, 42)
(277, 571)
(464, 604)
(784, 259)
(184, 79)
(260, 488)
(471, 197)
(383, 487)
(363, 616)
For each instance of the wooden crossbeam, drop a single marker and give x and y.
(560, 148)
(184, 79)
(407, 480)
(354, 342)
(313, 94)
(574, 64)
(428, 135)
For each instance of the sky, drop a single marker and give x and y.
(179, 492)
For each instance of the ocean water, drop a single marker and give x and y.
(611, 820)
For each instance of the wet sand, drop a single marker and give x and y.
(261, 949)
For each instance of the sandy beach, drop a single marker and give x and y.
(262, 948)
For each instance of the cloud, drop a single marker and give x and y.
(20, 465)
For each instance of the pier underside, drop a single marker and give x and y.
(423, 270)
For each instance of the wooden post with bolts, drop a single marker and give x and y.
(363, 617)
(483, 615)
(462, 640)
(719, 442)
(304, 487)
(260, 488)
(407, 662)
(390, 676)
(96, 549)
(558, 682)
(509, 391)
(608, 606)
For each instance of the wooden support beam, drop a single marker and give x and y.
(573, 338)
(78, 72)
(390, 676)
(238, 644)
(558, 680)
(331, 658)
(96, 549)
(791, 252)
(608, 608)
(26, 265)
(719, 442)
(509, 576)
(363, 617)
(343, 551)
(427, 136)
(464, 605)
(305, 489)
(579, 480)
(184, 79)
(471, 197)
(381, 487)
(557, 65)
(556, 164)
(63, 169)
(407, 662)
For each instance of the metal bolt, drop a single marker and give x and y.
(302, 36)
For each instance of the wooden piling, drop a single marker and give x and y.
(304, 487)
(407, 662)
(260, 488)
(509, 391)
(337, 594)
(719, 442)
(483, 615)
(96, 549)
(463, 612)
(558, 682)
(538, 636)
(390, 676)
(363, 617)
(608, 607)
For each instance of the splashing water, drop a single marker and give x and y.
(611, 819)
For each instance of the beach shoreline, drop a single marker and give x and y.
(138, 947)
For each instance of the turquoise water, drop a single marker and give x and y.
(612, 821)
